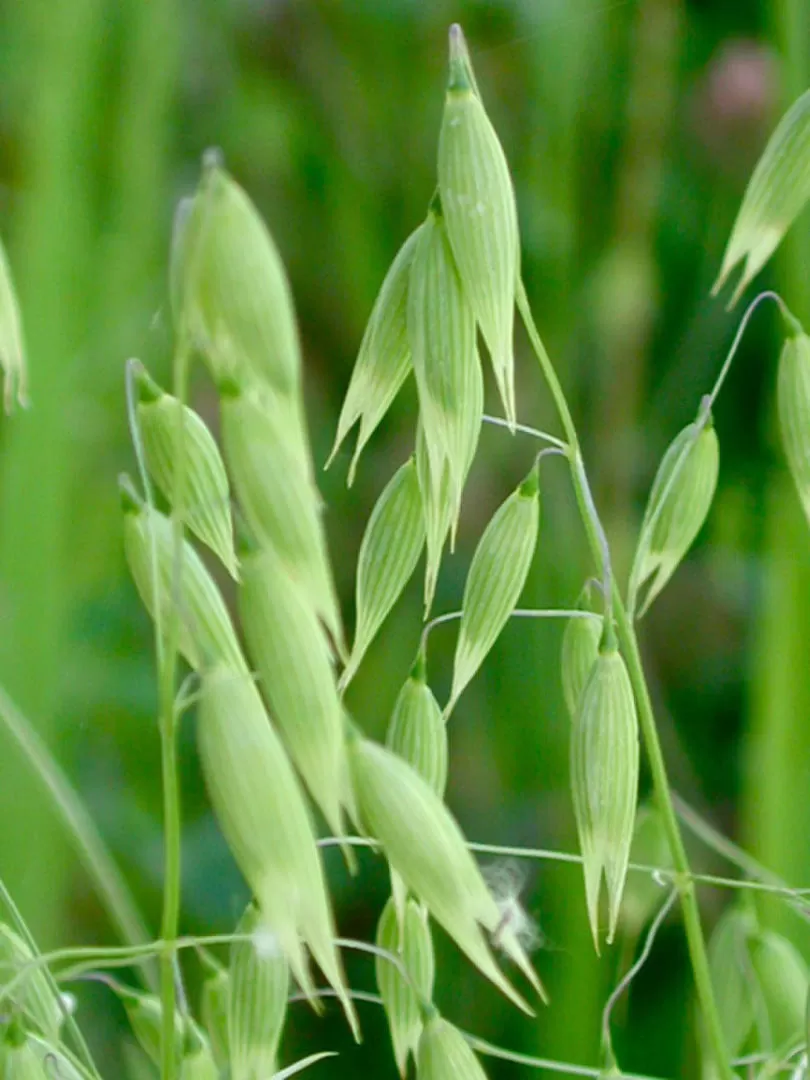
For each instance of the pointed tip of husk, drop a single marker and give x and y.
(506, 390)
(515, 952)
(332, 968)
(448, 709)
(299, 967)
(745, 280)
(351, 1015)
(459, 59)
(332, 453)
(349, 856)
(593, 885)
(730, 259)
(431, 580)
(351, 666)
(352, 473)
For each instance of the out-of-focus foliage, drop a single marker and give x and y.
(631, 129)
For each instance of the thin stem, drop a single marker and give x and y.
(382, 954)
(547, 367)
(480, 1045)
(587, 508)
(643, 956)
(524, 429)
(749, 311)
(553, 613)
(438, 620)
(663, 874)
(685, 882)
(168, 736)
(564, 1067)
(629, 647)
(703, 418)
(518, 613)
(593, 523)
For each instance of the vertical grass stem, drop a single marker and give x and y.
(629, 647)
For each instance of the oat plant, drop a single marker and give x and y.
(264, 679)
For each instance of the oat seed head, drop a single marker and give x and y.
(604, 783)
(384, 361)
(793, 400)
(776, 194)
(391, 546)
(495, 580)
(410, 939)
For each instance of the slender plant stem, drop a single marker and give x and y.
(524, 429)
(684, 882)
(629, 975)
(629, 647)
(168, 738)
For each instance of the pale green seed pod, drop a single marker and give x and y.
(55, 1060)
(260, 983)
(480, 211)
(197, 1061)
(214, 1007)
(793, 399)
(264, 817)
(497, 574)
(288, 648)
(206, 505)
(733, 977)
(412, 943)
(678, 505)
(145, 1016)
(441, 329)
(19, 1061)
(199, 1064)
(777, 191)
(232, 291)
(604, 783)
(12, 352)
(425, 846)
(441, 516)
(34, 995)
(389, 552)
(444, 1054)
(279, 499)
(384, 360)
(205, 632)
(782, 980)
(580, 649)
(643, 895)
(417, 731)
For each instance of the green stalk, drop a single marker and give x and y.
(629, 647)
(168, 739)
(684, 882)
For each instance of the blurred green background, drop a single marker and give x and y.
(631, 127)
